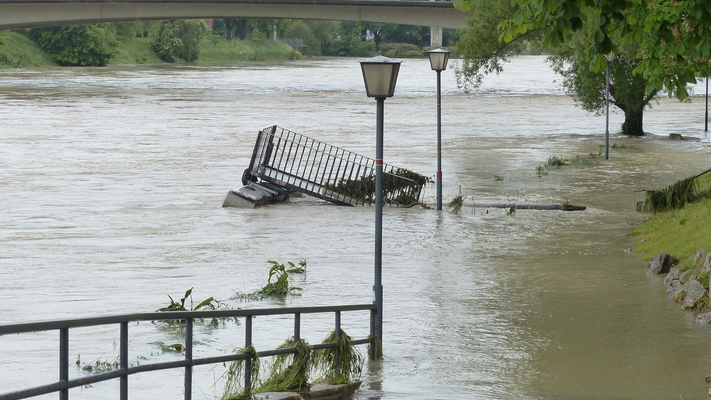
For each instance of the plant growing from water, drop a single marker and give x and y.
(457, 202)
(278, 285)
(171, 348)
(511, 209)
(555, 162)
(343, 364)
(98, 366)
(208, 304)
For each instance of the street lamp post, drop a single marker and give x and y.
(608, 58)
(438, 62)
(706, 117)
(380, 76)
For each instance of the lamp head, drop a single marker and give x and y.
(380, 76)
(438, 59)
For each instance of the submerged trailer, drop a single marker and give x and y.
(285, 162)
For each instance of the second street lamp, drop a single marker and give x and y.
(438, 62)
(609, 59)
(380, 76)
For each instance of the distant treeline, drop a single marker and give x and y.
(185, 40)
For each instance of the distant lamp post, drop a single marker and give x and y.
(380, 76)
(706, 119)
(438, 62)
(609, 59)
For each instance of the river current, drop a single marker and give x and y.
(112, 181)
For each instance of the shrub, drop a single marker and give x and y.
(88, 45)
(395, 50)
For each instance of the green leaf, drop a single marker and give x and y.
(598, 63)
(206, 303)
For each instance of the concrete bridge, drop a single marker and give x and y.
(16, 14)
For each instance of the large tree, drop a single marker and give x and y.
(628, 91)
(484, 53)
(673, 36)
(179, 40)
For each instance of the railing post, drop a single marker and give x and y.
(248, 362)
(338, 335)
(123, 359)
(189, 358)
(64, 361)
(297, 327)
(372, 334)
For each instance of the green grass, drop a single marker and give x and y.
(679, 232)
(136, 51)
(20, 51)
(245, 50)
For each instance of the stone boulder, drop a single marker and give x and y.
(699, 257)
(686, 275)
(661, 264)
(695, 293)
(675, 287)
(707, 264)
(704, 318)
(673, 275)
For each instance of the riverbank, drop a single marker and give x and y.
(676, 242)
(21, 52)
(680, 233)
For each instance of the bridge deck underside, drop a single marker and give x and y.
(15, 14)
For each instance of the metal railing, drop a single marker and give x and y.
(124, 370)
(331, 173)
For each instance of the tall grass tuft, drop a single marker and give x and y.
(343, 364)
(673, 197)
(290, 372)
(234, 385)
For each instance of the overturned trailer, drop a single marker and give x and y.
(285, 162)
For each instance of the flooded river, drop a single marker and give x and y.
(112, 181)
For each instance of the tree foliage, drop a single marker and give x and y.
(628, 91)
(484, 53)
(179, 40)
(673, 37)
(77, 45)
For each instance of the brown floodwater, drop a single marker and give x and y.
(112, 182)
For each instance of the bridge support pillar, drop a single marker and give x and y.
(436, 36)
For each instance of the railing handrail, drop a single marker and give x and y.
(341, 158)
(38, 326)
(63, 326)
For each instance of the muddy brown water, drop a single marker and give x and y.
(112, 180)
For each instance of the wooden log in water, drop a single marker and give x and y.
(562, 207)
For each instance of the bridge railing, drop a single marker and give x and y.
(326, 171)
(124, 371)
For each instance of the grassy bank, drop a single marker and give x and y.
(680, 233)
(20, 52)
(226, 51)
(135, 51)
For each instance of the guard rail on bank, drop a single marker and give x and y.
(124, 371)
